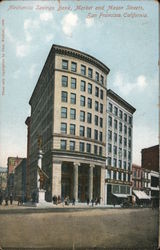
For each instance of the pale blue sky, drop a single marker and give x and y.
(128, 46)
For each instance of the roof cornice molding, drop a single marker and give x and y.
(80, 55)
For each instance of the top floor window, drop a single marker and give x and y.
(102, 79)
(116, 111)
(73, 66)
(125, 117)
(83, 70)
(97, 76)
(90, 72)
(64, 64)
(120, 114)
(110, 107)
(130, 120)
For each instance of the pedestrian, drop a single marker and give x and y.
(1, 198)
(11, 198)
(87, 201)
(6, 200)
(56, 199)
(59, 199)
(92, 201)
(73, 201)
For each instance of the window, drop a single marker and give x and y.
(109, 161)
(96, 120)
(115, 150)
(72, 129)
(64, 64)
(124, 176)
(100, 136)
(115, 137)
(83, 86)
(73, 114)
(114, 175)
(89, 117)
(81, 131)
(109, 148)
(95, 149)
(129, 155)
(63, 144)
(129, 143)
(125, 142)
(129, 131)
(124, 153)
(120, 127)
(63, 112)
(97, 76)
(120, 139)
(102, 79)
(115, 124)
(88, 132)
(101, 108)
(108, 174)
(110, 107)
(130, 120)
(89, 103)
(64, 81)
(119, 175)
(88, 148)
(73, 83)
(96, 106)
(125, 117)
(83, 70)
(64, 96)
(64, 128)
(73, 98)
(101, 122)
(119, 163)
(89, 88)
(120, 152)
(100, 151)
(125, 129)
(109, 134)
(124, 165)
(120, 114)
(129, 166)
(72, 145)
(114, 162)
(110, 121)
(82, 100)
(90, 72)
(97, 91)
(81, 146)
(73, 66)
(82, 116)
(96, 134)
(115, 111)
(101, 94)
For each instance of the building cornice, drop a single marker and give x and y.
(111, 94)
(66, 51)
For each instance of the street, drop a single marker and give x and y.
(79, 228)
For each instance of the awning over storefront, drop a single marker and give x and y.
(121, 195)
(141, 195)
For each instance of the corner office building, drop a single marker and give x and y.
(68, 110)
(118, 149)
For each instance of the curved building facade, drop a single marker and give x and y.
(68, 111)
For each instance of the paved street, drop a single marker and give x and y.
(78, 228)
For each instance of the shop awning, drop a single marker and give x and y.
(121, 195)
(141, 195)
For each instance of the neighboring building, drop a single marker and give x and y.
(146, 181)
(154, 185)
(20, 180)
(68, 111)
(118, 148)
(3, 179)
(136, 177)
(27, 122)
(150, 158)
(12, 163)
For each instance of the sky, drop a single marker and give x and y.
(121, 34)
